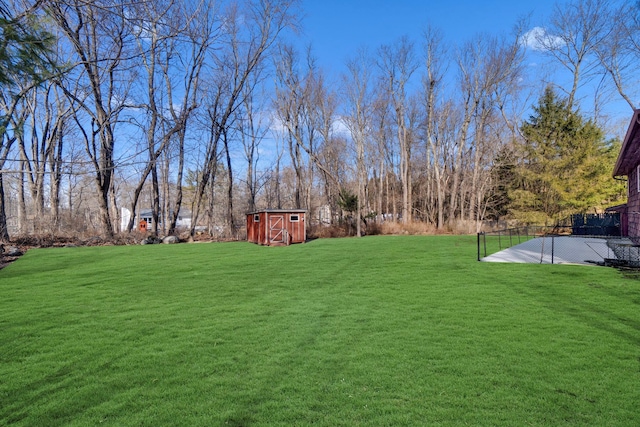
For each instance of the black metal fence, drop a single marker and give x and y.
(626, 251)
(557, 245)
(605, 224)
(495, 241)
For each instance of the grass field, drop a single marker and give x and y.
(379, 331)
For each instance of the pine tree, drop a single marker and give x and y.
(24, 49)
(24, 64)
(564, 165)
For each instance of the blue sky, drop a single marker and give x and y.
(337, 28)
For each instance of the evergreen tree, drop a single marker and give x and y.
(502, 175)
(24, 48)
(24, 64)
(348, 202)
(564, 165)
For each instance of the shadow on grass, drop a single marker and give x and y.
(592, 315)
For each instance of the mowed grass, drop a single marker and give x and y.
(378, 331)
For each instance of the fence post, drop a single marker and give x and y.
(500, 240)
(478, 246)
(552, 248)
(484, 241)
(510, 239)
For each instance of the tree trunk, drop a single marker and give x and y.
(178, 202)
(4, 232)
(22, 204)
(229, 216)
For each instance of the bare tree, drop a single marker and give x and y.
(330, 156)
(172, 41)
(253, 126)
(619, 52)
(432, 81)
(300, 103)
(292, 100)
(572, 36)
(357, 90)
(382, 134)
(245, 43)
(397, 64)
(488, 66)
(40, 143)
(97, 33)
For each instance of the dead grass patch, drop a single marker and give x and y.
(411, 228)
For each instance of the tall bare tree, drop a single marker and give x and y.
(245, 42)
(330, 155)
(358, 94)
(572, 36)
(172, 41)
(301, 105)
(292, 100)
(253, 126)
(487, 66)
(432, 81)
(397, 64)
(98, 34)
(619, 52)
(40, 143)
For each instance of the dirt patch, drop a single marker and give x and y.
(6, 260)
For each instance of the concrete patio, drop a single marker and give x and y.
(556, 250)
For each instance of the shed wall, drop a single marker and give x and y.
(276, 227)
(256, 228)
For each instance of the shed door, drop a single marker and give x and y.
(276, 228)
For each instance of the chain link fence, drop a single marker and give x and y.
(558, 245)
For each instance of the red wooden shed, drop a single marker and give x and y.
(274, 227)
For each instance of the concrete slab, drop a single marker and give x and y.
(556, 250)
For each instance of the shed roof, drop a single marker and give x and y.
(277, 211)
(629, 156)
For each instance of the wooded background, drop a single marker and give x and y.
(210, 107)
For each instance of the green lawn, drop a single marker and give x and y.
(379, 331)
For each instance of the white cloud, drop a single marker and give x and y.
(538, 39)
(278, 127)
(339, 127)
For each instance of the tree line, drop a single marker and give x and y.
(209, 107)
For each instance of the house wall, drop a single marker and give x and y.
(624, 222)
(633, 204)
(183, 221)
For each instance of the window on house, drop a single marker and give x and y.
(256, 218)
(294, 218)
